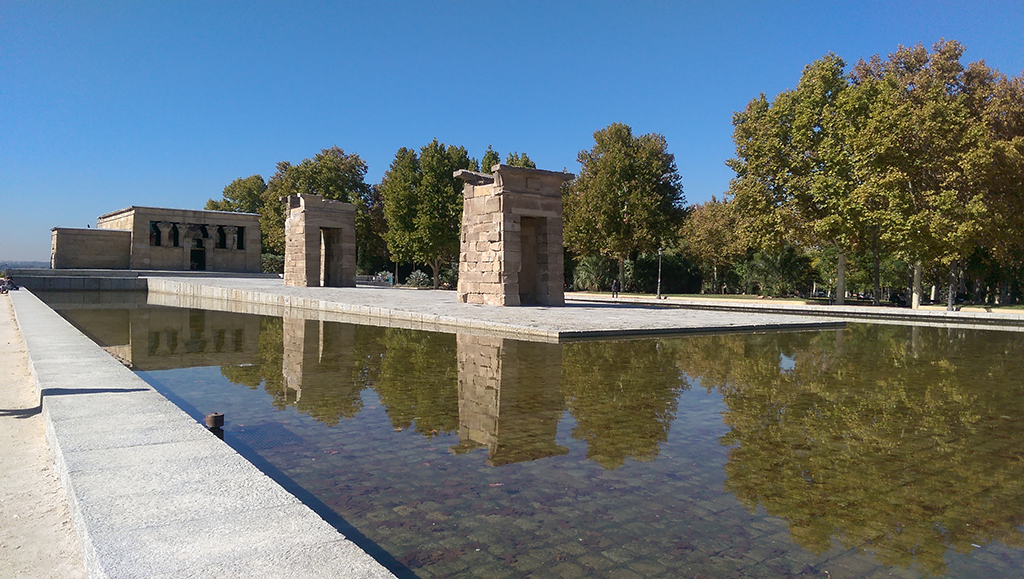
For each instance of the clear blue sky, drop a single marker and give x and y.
(109, 104)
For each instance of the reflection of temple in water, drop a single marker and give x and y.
(509, 398)
(157, 338)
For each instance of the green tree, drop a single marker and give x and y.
(627, 199)
(926, 151)
(491, 158)
(423, 204)
(371, 228)
(794, 180)
(332, 173)
(710, 238)
(243, 195)
(514, 159)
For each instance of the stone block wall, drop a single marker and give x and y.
(511, 250)
(320, 242)
(72, 248)
(185, 239)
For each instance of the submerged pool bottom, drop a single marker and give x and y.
(864, 452)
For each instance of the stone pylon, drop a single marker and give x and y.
(511, 250)
(320, 242)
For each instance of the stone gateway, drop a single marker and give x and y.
(320, 242)
(511, 248)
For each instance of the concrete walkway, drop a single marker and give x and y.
(439, 311)
(36, 536)
(151, 492)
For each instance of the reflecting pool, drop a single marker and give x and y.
(869, 451)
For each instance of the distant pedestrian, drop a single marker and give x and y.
(615, 288)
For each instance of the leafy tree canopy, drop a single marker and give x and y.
(627, 198)
(332, 173)
(423, 204)
(243, 195)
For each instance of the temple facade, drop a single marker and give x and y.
(161, 239)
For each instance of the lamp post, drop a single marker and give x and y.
(659, 273)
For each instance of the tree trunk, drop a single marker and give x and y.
(622, 274)
(951, 294)
(916, 300)
(436, 266)
(714, 289)
(878, 283)
(841, 280)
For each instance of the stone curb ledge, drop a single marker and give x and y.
(866, 313)
(186, 294)
(175, 293)
(151, 492)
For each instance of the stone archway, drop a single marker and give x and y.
(320, 242)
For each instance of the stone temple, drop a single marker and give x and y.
(511, 248)
(162, 239)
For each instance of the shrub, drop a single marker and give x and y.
(272, 263)
(419, 279)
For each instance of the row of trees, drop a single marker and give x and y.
(915, 158)
(914, 163)
(413, 215)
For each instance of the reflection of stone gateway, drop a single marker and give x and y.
(511, 252)
(317, 362)
(509, 398)
(320, 242)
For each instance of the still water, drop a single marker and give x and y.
(870, 451)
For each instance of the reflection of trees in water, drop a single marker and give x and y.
(322, 368)
(325, 380)
(902, 441)
(267, 369)
(417, 380)
(623, 395)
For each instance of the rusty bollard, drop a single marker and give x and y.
(214, 423)
(215, 420)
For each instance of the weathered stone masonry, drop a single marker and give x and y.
(511, 248)
(155, 238)
(320, 242)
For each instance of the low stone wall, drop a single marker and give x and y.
(183, 294)
(80, 283)
(90, 248)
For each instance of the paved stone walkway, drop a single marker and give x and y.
(36, 536)
(439, 310)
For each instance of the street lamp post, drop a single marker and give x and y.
(659, 273)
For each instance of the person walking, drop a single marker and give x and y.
(615, 288)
